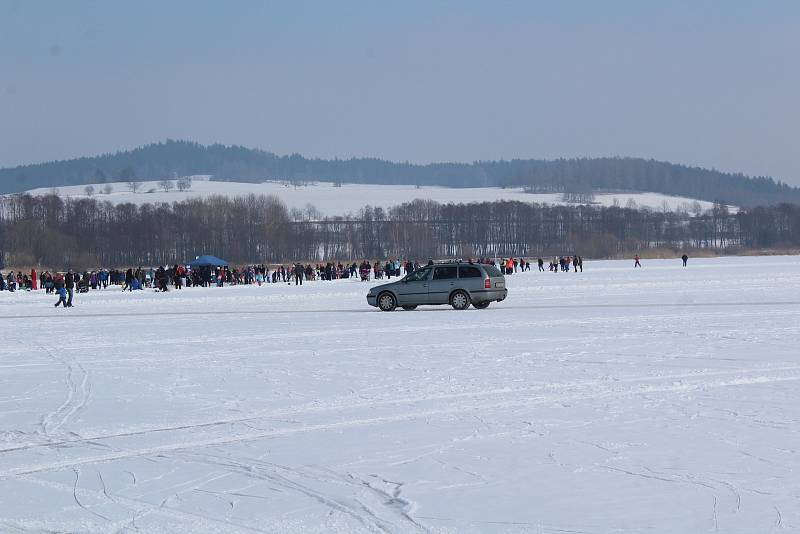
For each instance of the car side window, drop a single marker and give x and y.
(466, 271)
(493, 271)
(445, 272)
(416, 276)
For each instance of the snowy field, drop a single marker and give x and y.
(654, 400)
(350, 198)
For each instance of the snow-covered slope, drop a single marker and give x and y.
(660, 400)
(349, 198)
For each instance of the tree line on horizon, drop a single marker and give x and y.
(51, 232)
(578, 176)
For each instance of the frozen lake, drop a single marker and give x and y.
(661, 399)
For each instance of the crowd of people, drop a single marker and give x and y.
(563, 264)
(164, 278)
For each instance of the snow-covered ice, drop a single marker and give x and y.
(350, 198)
(661, 399)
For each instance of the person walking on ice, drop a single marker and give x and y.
(61, 290)
(685, 258)
(637, 263)
(69, 283)
(298, 274)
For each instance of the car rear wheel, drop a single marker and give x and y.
(459, 300)
(386, 302)
(410, 308)
(481, 305)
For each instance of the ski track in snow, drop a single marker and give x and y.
(79, 389)
(661, 400)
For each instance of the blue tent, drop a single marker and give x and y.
(207, 261)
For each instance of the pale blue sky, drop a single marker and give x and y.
(711, 83)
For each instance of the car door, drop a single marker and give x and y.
(471, 278)
(413, 289)
(442, 284)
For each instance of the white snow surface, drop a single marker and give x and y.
(350, 198)
(660, 399)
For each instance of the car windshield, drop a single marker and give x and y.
(416, 276)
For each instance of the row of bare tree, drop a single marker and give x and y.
(48, 231)
(134, 186)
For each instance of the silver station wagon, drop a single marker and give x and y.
(459, 284)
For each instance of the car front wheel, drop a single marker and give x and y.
(459, 300)
(386, 302)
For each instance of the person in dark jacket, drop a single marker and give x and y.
(11, 282)
(69, 284)
(298, 274)
(47, 282)
(161, 279)
(128, 280)
(685, 259)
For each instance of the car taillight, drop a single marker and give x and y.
(487, 284)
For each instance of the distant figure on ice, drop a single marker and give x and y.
(685, 258)
(637, 264)
(298, 274)
(69, 282)
(540, 261)
(11, 282)
(179, 274)
(161, 279)
(61, 290)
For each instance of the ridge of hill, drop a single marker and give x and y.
(236, 163)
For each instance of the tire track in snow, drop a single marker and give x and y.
(78, 501)
(139, 507)
(516, 403)
(400, 505)
(287, 478)
(304, 312)
(330, 406)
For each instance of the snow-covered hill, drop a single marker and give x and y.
(349, 198)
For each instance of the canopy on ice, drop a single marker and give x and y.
(207, 261)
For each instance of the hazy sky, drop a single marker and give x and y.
(710, 83)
